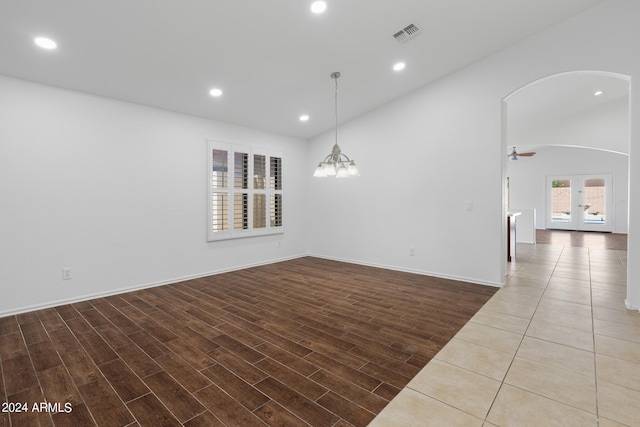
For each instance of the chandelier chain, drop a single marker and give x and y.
(336, 102)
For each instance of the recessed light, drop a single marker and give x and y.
(215, 92)
(45, 43)
(318, 7)
(304, 118)
(399, 66)
(598, 93)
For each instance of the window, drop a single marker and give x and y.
(275, 185)
(219, 197)
(249, 203)
(241, 191)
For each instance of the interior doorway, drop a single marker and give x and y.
(580, 202)
(567, 111)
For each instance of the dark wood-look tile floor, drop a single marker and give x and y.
(302, 342)
(585, 239)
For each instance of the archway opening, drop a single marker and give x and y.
(564, 119)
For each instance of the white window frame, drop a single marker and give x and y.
(230, 190)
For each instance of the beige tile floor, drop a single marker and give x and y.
(554, 347)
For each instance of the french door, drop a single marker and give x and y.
(580, 202)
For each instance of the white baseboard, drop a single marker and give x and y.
(631, 306)
(410, 270)
(86, 297)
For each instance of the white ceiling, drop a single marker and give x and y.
(272, 58)
(564, 95)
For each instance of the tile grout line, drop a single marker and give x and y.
(593, 335)
(32, 365)
(108, 382)
(524, 334)
(66, 368)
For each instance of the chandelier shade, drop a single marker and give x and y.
(336, 163)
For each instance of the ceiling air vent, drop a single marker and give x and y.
(407, 33)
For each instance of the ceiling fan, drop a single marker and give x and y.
(514, 154)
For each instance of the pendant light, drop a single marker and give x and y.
(337, 163)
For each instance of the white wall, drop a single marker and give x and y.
(527, 178)
(117, 192)
(421, 159)
(605, 126)
(443, 145)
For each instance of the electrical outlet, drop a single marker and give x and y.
(66, 274)
(412, 251)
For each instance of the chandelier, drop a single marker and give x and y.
(337, 163)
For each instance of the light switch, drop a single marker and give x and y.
(468, 205)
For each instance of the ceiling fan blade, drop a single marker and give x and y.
(528, 154)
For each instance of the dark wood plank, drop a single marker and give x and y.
(149, 411)
(67, 312)
(346, 409)
(196, 358)
(113, 336)
(94, 317)
(238, 366)
(105, 308)
(289, 360)
(80, 328)
(26, 318)
(228, 410)
(104, 404)
(78, 417)
(80, 366)
(138, 360)
(12, 345)
(239, 349)
(34, 332)
(302, 407)
(44, 355)
(206, 419)
(149, 344)
(359, 378)
(98, 349)
(126, 325)
(50, 319)
(64, 340)
(58, 387)
(176, 398)
(250, 397)
(296, 381)
(276, 416)
(280, 344)
(9, 325)
(368, 400)
(386, 391)
(587, 239)
(30, 418)
(123, 380)
(189, 377)
(19, 375)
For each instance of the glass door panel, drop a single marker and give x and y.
(580, 202)
(595, 204)
(560, 200)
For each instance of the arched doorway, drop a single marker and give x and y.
(577, 112)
